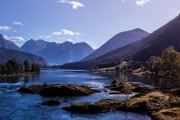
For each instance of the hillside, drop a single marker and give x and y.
(7, 54)
(7, 44)
(119, 40)
(139, 51)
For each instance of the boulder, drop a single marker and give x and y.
(66, 90)
(58, 90)
(105, 105)
(127, 87)
(34, 89)
(50, 102)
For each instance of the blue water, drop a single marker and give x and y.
(20, 106)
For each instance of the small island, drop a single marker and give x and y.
(13, 68)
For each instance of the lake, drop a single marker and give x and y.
(20, 106)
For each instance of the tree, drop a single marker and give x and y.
(38, 68)
(154, 64)
(33, 67)
(4, 69)
(27, 65)
(170, 68)
(170, 65)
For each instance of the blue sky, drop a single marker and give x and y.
(91, 21)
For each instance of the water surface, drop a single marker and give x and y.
(20, 106)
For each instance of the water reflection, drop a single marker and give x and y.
(14, 79)
(17, 79)
(158, 82)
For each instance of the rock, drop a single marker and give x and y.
(167, 114)
(120, 86)
(148, 103)
(127, 87)
(66, 90)
(105, 105)
(50, 102)
(58, 90)
(34, 89)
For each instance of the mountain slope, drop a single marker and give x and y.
(141, 50)
(58, 53)
(7, 44)
(7, 54)
(119, 40)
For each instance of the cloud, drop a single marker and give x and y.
(4, 28)
(138, 2)
(70, 40)
(141, 2)
(65, 32)
(48, 36)
(75, 4)
(41, 36)
(14, 39)
(18, 23)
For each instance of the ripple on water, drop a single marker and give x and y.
(19, 106)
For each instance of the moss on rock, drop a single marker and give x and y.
(58, 90)
(167, 114)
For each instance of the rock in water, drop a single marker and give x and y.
(50, 102)
(66, 90)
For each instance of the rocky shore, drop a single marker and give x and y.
(160, 105)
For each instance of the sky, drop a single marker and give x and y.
(91, 21)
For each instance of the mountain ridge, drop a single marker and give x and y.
(141, 50)
(58, 53)
(119, 40)
(7, 44)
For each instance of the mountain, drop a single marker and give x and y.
(7, 54)
(119, 40)
(7, 44)
(139, 51)
(56, 53)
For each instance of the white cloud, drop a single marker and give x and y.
(138, 2)
(18, 23)
(14, 39)
(141, 2)
(48, 36)
(70, 40)
(65, 32)
(4, 28)
(75, 4)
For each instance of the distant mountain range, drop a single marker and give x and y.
(9, 50)
(56, 53)
(139, 51)
(119, 40)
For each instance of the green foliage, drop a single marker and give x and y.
(167, 66)
(154, 64)
(27, 65)
(13, 67)
(33, 67)
(170, 65)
